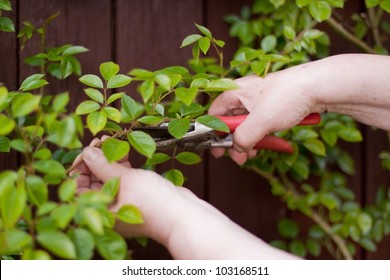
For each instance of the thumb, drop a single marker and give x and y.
(100, 167)
(249, 132)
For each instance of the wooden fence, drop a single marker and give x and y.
(147, 34)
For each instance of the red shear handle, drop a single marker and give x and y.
(274, 143)
(234, 121)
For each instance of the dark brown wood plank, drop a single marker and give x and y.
(9, 75)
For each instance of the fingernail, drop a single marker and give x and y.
(90, 154)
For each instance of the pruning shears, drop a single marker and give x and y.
(200, 137)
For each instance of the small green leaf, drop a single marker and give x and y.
(91, 81)
(114, 97)
(13, 240)
(188, 158)
(118, 81)
(204, 44)
(320, 10)
(315, 146)
(364, 222)
(93, 198)
(94, 94)
(205, 31)
(329, 136)
(147, 90)
(19, 145)
(60, 102)
(93, 219)
(221, 85)
(385, 5)
(190, 40)
(288, 228)
(67, 190)
(268, 43)
(108, 70)
(87, 107)
(259, 66)
(83, 242)
(113, 114)
(115, 149)
(96, 121)
(63, 215)
(130, 214)
(24, 104)
(372, 3)
(330, 201)
(178, 127)
(158, 158)
(313, 247)
(303, 134)
(350, 134)
(57, 243)
(12, 202)
(50, 167)
(186, 95)
(5, 144)
(5, 5)
(111, 245)
(160, 109)
(289, 32)
(175, 176)
(142, 142)
(151, 120)
(213, 122)
(37, 190)
(3, 96)
(74, 50)
(111, 187)
(163, 80)
(6, 127)
(46, 208)
(129, 106)
(6, 25)
(297, 248)
(316, 232)
(33, 82)
(368, 244)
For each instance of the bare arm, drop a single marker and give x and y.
(189, 227)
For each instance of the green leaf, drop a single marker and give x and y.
(108, 70)
(118, 81)
(297, 248)
(6, 127)
(63, 215)
(13, 240)
(304, 133)
(60, 102)
(57, 243)
(33, 82)
(19, 145)
(91, 81)
(93, 198)
(83, 242)
(186, 95)
(277, 3)
(364, 222)
(111, 187)
(24, 104)
(221, 85)
(315, 146)
(111, 246)
(259, 66)
(336, 3)
(313, 247)
(329, 136)
(74, 50)
(5, 5)
(94, 94)
(190, 40)
(163, 80)
(6, 25)
(96, 121)
(268, 43)
(93, 219)
(113, 114)
(114, 97)
(37, 190)
(158, 158)
(178, 127)
(151, 120)
(372, 3)
(330, 201)
(350, 134)
(279, 244)
(289, 32)
(188, 158)
(213, 122)
(385, 5)
(160, 109)
(67, 190)
(316, 232)
(5, 144)
(320, 10)
(147, 90)
(142, 142)
(368, 244)
(288, 228)
(3, 96)
(12, 202)
(115, 149)
(204, 31)
(129, 106)
(50, 167)
(204, 44)
(46, 208)
(130, 214)
(87, 107)
(377, 231)
(175, 176)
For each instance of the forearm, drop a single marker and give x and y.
(353, 84)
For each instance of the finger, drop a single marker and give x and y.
(83, 181)
(95, 186)
(217, 152)
(96, 142)
(100, 167)
(239, 158)
(251, 154)
(82, 190)
(81, 169)
(225, 103)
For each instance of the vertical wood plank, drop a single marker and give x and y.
(9, 75)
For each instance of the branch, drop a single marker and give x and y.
(349, 36)
(374, 22)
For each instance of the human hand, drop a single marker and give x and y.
(275, 103)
